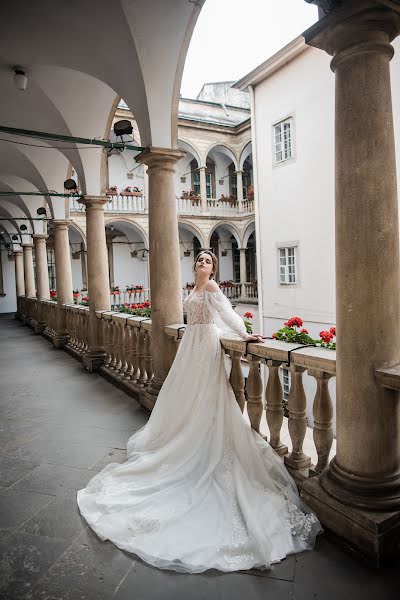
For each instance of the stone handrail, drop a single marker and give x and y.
(319, 363)
(127, 342)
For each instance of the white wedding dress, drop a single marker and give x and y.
(200, 489)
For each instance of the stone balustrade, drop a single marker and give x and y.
(136, 203)
(127, 341)
(118, 299)
(318, 362)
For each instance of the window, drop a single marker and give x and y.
(287, 266)
(196, 182)
(283, 140)
(209, 184)
(286, 389)
(51, 268)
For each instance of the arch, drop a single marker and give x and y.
(230, 227)
(188, 147)
(249, 229)
(79, 231)
(193, 229)
(135, 226)
(223, 149)
(245, 153)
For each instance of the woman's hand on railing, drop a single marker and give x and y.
(255, 337)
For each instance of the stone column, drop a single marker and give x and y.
(63, 279)
(42, 271)
(83, 266)
(239, 189)
(365, 474)
(203, 188)
(165, 271)
(29, 274)
(97, 273)
(19, 273)
(242, 266)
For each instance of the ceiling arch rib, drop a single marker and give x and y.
(28, 204)
(14, 214)
(12, 231)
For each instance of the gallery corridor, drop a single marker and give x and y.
(58, 426)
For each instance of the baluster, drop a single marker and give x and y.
(148, 356)
(142, 361)
(237, 379)
(254, 391)
(124, 348)
(297, 420)
(323, 415)
(274, 407)
(106, 318)
(128, 350)
(118, 344)
(135, 352)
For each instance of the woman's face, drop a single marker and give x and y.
(204, 264)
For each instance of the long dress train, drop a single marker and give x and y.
(200, 489)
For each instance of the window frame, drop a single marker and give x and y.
(280, 123)
(286, 246)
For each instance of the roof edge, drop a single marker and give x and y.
(272, 64)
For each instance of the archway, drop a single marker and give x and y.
(127, 254)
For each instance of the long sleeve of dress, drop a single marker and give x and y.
(229, 323)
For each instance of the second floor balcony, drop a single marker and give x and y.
(136, 203)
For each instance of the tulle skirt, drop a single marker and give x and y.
(200, 489)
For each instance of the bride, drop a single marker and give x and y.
(200, 489)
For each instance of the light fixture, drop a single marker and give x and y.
(70, 185)
(41, 211)
(14, 237)
(123, 127)
(23, 227)
(20, 79)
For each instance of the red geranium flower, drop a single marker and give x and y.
(326, 336)
(304, 330)
(248, 315)
(274, 336)
(294, 322)
(333, 330)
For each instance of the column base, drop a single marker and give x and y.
(60, 339)
(147, 400)
(38, 327)
(361, 492)
(93, 360)
(372, 535)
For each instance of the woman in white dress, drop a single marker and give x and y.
(200, 489)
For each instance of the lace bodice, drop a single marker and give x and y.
(204, 307)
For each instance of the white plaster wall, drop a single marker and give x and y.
(225, 262)
(9, 302)
(118, 173)
(296, 198)
(185, 243)
(128, 270)
(76, 268)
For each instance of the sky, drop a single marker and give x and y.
(232, 37)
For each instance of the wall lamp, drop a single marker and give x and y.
(20, 79)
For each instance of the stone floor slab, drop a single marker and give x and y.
(23, 560)
(16, 506)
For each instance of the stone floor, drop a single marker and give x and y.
(58, 426)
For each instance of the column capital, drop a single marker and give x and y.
(40, 236)
(27, 245)
(160, 158)
(96, 202)
(17, 251)
(357, 27)
(61, 223)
